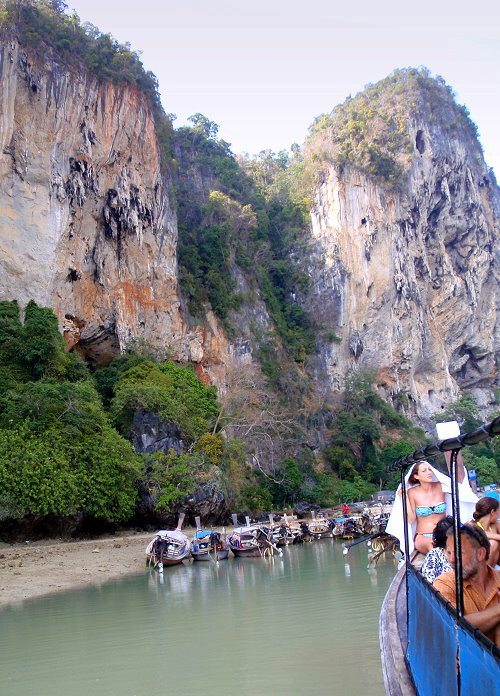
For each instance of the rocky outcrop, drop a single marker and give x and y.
(209, 502)
(87, 226)
(408, 278)
(152, 434)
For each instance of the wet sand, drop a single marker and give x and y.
(34, 569)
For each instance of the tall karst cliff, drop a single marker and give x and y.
(399, 254)
(87, 227)
(87, 224)
(405, 263)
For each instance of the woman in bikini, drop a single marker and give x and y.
(486, 517)
(426, 505)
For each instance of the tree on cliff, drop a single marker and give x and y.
(45, 24)
(59, 454)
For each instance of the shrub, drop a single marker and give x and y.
(172, 391)
(169, 478)
(47, 473)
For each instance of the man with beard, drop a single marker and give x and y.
(481, 584)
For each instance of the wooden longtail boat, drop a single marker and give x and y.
(208, 545)
(427, 645)
(168, 547)
(252, 541)
(321, 528)
(283, 532)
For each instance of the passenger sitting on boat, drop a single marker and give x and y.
(481, 586)
(426, 504)
(486, 517)
(436, 562)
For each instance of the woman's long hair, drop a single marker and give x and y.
(414, 471)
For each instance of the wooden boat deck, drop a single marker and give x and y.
(393, 639)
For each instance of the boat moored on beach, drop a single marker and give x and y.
(321, 527)
(252, 541)
(208, 544)
(168, 547)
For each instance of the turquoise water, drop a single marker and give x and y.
(306, 623)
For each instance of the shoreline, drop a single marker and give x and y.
(29, 570)
(49, 566)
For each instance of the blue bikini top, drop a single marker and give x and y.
(438, 509)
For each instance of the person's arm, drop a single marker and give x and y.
(485, 620)
(493, 535)
(460, 465)
(411, 507)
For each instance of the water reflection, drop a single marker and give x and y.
(277, 626)
(372, 572)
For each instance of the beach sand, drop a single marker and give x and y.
(29, 570)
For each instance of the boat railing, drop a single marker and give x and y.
(444, 653)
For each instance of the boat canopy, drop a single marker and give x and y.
(202, 533)
(171, 534)
(249, 530)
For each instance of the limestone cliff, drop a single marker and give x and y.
(408, 278)
(87, 225)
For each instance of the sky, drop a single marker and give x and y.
(264, 69)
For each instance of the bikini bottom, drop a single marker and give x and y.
(427, 534)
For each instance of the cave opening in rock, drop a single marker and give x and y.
(96, 345)
(73, 275)
(98, 352)
(420, 142)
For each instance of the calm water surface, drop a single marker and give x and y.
(306, 623)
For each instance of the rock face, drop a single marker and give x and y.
(408, 278)
(152, 434)
(209, 502)
(87, 226)
(405, 278)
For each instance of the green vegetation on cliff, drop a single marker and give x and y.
(374, 131)
(64, 432)
(228, 220)
(45, 23)
(59, 454)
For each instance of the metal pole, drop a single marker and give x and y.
(407, 545)
(405, 516)
(457, 539)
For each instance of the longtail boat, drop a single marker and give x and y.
(208, 545)
(252, 541)
(168, 547)
(284, 533)
(321, 527)
(428, 647)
